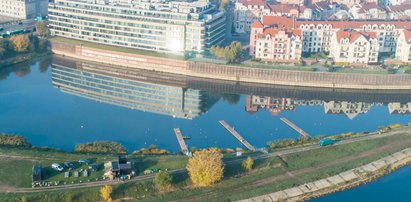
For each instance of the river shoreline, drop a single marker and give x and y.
(342, 181)
(231, 72)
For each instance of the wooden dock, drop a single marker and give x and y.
(181, 141)
(295, 127)
(238, 136)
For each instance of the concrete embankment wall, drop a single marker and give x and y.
(235, 73)
(351, 176)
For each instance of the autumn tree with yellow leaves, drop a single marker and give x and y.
(248, 164)
(105, 192)
(20, 43)
(206, 167)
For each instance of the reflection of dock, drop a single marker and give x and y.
(180, 139)
(295, 127)
(238, 136)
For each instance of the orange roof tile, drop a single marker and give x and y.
(353, 35)
(257, 24)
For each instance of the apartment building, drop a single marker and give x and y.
(279, 45)
(403, 51)
(360, 48)
(23, 9)
(154, 25)
(248, 11)
(317, 34)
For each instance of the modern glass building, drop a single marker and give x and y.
(155, 25)
(174, 101)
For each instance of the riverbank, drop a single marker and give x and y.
(343, 181)
(131, 59)
(278, 170)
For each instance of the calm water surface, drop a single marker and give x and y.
(393, 187)
(60, 104)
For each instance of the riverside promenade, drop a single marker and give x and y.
(234, 73)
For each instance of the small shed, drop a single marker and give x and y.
(67, 174)
(37, 173)
(76, 174)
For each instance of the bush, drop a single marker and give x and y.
(163, 179)
(152, 150)
(14, 140)
(101, 147)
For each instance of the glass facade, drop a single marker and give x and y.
(161, 26)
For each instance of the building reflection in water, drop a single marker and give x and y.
(350, 109)
(111, 88)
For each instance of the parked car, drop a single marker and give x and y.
(57, 167)
(69, 165)
(93, 167)
(85, 161)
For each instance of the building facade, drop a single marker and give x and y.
(279, 45)
(248, 11)
(162, 26)
(353, 47)
(317, 34)
(23, 9)
(403, 51)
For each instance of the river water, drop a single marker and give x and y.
(59, 103)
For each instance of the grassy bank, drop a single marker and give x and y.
(269, 174)
(16, 164)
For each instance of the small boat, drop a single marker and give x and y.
(186, 137)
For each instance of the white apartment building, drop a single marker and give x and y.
(23, 9)
(354, 47)
(403, 52)
(248, 11)
(153, 25)
(279, 45)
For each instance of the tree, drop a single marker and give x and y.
(42, 29)
(232, 53)
(206, 167)
(20, 43)
(223, 4)
(248, 164)
(163, 179)
(105, 192)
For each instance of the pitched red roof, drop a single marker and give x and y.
(407, 34)
(257, 24)
(280, 21)
(283, 8)
(353, 35)
(253, 2)
(283, 21)
(274, 31)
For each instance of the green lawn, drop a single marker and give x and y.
(16, 171)
(115, 48)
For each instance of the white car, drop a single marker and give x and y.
(57, 167)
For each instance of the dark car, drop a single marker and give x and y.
(85, 161)
(1, 28)
(69, 165)
(93, 167)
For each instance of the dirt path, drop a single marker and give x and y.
(6, 189)
(296, 173)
